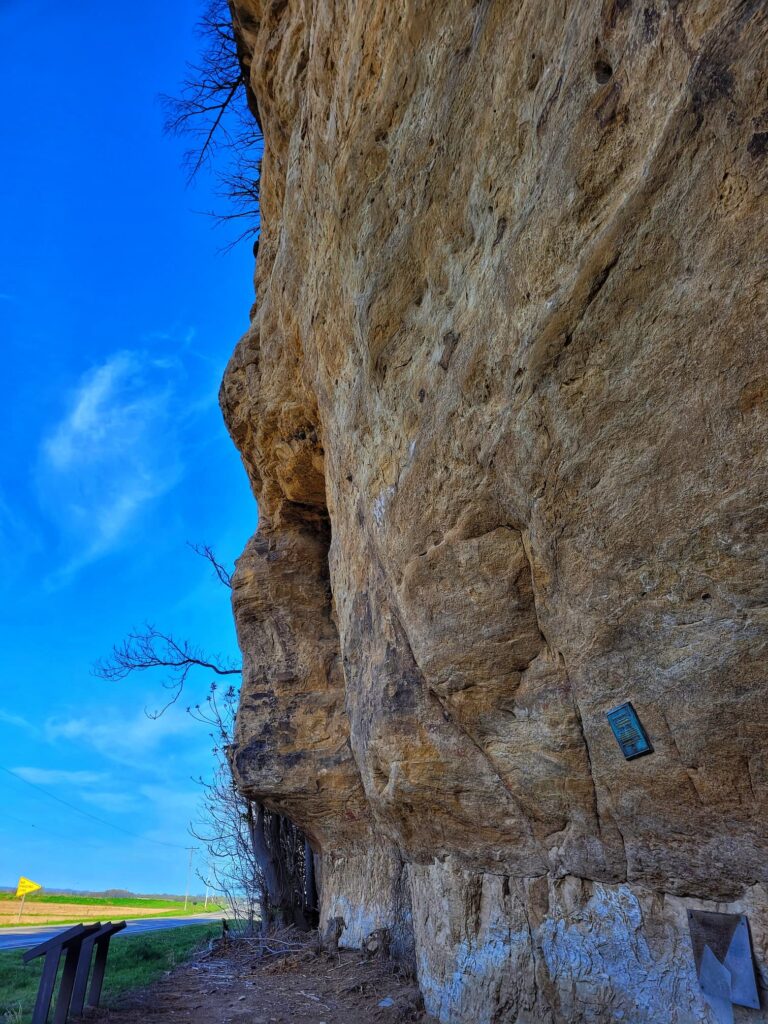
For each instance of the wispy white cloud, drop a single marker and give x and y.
(182, 338)
(113, 453)
(17, 721)
(61, 777)
(175, 809)
(114, 802)
(96, 414)
(131, 741)
(80, 784)
(185, 801)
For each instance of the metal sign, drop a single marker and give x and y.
(722, 952)
(26, 885)
(629, 732)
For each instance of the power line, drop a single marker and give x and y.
(57, 835)
(93, 817)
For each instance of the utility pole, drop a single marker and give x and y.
(189, 875)
(207, 884)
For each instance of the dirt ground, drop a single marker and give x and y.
(235, 985)
(35, 912)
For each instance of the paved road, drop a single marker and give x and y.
(18, 938)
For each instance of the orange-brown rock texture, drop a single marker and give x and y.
(503, 404)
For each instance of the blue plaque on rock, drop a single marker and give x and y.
(629, 732)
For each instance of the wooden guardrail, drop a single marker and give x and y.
(78, 944)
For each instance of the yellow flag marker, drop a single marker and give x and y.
(25, 886)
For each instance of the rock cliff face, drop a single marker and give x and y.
(503, 404)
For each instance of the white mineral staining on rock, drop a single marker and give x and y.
(380, 504)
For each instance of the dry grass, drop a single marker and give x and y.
(284, 978)
(43, 913)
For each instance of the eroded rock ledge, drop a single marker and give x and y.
(503, 405)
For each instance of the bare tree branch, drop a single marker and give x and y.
(153, 649)
(216, 111)
(222, 574)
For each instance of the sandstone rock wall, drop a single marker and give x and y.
(503, 404)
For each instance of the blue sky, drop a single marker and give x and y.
(117, 315)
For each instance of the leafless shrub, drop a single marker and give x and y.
(216, 111)
(258, 859)
(153, 649)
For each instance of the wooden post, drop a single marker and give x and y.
(100, 939)
(97, 978)
(78, 942)
(52, 949)
(81, 977)
(61, 1012)
(99, 966)
(47, 982)
(21, 907)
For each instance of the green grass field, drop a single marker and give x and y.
(118, 901)
(147, 908)
(134, 961)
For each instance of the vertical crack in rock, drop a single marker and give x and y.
(595, 797)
